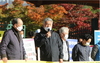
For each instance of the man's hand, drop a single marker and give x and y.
(48, 34)
(26, 59)
(61, 61)
(4, 60)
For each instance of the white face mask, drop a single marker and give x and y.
(19, 28)
(66, 37)
(47, 28)
(87, 44)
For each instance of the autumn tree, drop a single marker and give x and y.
(31, 15)
(78, 19)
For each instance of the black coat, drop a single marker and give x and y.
(50, 48)
(12, 45)
(94, 52)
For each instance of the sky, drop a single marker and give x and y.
(2, 2)
(5, 1)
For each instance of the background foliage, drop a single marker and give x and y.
(72, 15)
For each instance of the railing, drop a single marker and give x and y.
(5, 26)
(79, 32)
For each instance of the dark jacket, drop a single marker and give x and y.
(12, 45)
(80, 52)
(50, 48)
(95, 54)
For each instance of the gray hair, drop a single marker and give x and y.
(63, 29)
(47, 19)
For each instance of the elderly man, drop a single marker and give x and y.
(64, 32)
(49, 43)
(12, 45)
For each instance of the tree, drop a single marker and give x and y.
(32, 16)
(78, 18)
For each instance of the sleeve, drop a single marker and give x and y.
(68, 51)
(60, 47)
(3, 45)
(40, 39)
(94, 51)
(74, 53)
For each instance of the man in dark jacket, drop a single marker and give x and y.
(95, 54)
(81, 51)
(49, 43)
(11, 46)
(64, 32)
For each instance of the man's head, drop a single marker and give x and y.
(86, 39)
(64, 31)
(80, 40)
(31, 34)
(47, 24)
(17, 24)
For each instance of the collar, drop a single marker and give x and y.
(14, 30)
(82, 44)
(44, 31)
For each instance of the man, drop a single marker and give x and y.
(31, 34)
(81, 51)
(49, 43)
(95, 54)
(64, 31)
(80, 39)
(12, 45)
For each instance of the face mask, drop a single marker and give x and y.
(87, 44)
(48, 28)
(19, 28)
(66, 37)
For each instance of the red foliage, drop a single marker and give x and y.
(68, 7)
(78, 18)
